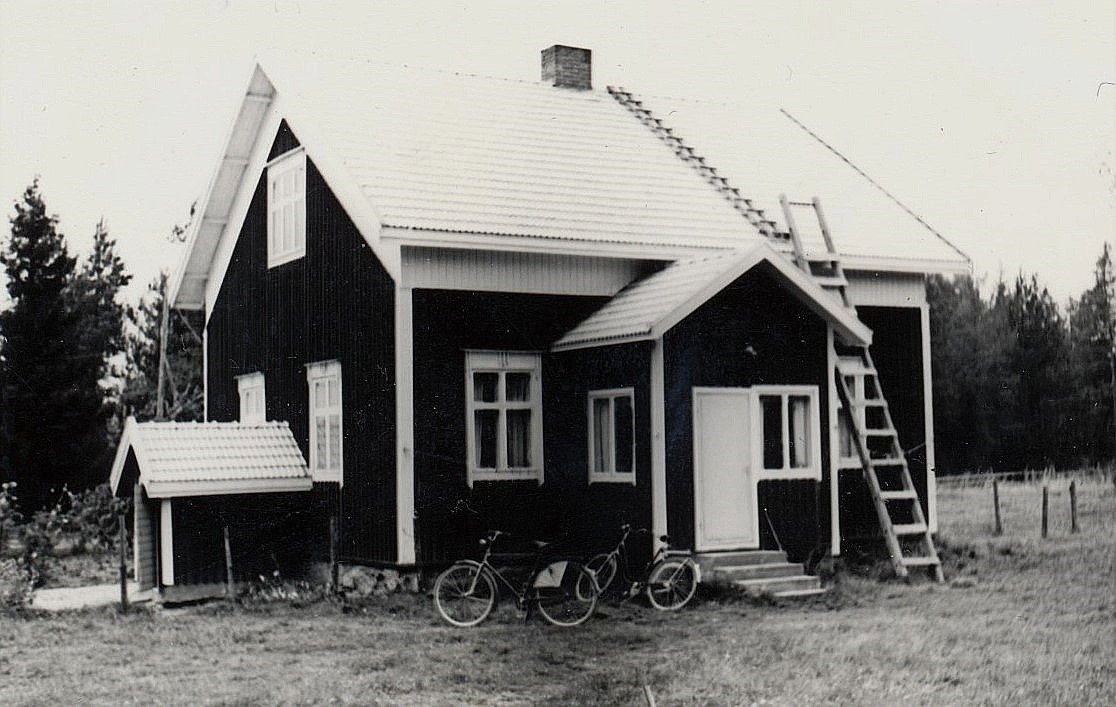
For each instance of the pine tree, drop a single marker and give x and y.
(35, 354)
(1093, 344)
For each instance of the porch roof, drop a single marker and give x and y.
(649, 307)
(211, 458)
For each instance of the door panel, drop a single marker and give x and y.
(725, 494)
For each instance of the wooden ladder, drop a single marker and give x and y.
(867, 419)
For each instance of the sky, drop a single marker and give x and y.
(995, 121)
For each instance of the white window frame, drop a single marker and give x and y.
(251, 390)
(323, 372)
(813, 414)
(504, 362)
(610, 475)
(280, 248)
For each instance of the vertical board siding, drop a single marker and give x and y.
(752, 333)
(897, 352)
(503, 271)
(449, 516)
(336, 302)
(886, 289)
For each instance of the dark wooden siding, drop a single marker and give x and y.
(751, 333)
(450, 515)
(337, 302)
(897, 352)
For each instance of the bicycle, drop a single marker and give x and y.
(669, 579)
(563, 591)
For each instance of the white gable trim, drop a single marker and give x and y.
(238, 194)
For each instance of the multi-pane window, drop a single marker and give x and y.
(286, 208)
(789, 431)
(612, 435)
(250, 388)
(503, 393)
(324, 380)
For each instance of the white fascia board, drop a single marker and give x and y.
(808, 291)
(906, 265)
(337, 176)
(182, 489)
(126, 438)
(179, 274)
(462, 240)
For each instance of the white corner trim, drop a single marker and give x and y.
(404, 427)
(166, 543)
(834, 445)
(928, 414)
(658, 445)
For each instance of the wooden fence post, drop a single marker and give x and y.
(123, 563)
(228, 566)
(1073, 506)
(1045, 507)
(996, 503)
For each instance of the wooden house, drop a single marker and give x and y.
(475, 303)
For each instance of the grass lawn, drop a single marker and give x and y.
(1023, 621)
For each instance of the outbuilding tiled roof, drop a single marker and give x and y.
(441, 151)
(650, 306)
(195, 459)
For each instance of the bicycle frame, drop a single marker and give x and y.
(524, 594)
(634, 585)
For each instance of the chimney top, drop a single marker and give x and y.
(568, 67)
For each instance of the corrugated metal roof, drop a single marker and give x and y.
(192, 458)
(648, 307)
(440, 151)
(763, 152)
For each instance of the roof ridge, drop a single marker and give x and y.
(690, 156)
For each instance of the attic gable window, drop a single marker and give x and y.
(503, 394)
(250, 388)
(286, 208)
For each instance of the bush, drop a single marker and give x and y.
(16, 584)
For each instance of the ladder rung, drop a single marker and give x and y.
(895, 495)
(855, 369)
(886, 461)
(879, 432)
(831, 281)
(909, 529)
(868, 403)
(921, 561)
(801, 203)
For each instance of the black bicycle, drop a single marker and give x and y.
(563, 591)
(669, 579)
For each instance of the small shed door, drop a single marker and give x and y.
(143, 539)
(726, 517)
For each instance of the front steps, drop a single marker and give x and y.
(759, 572)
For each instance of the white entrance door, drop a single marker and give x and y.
(724, 492)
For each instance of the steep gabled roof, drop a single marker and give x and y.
(649, 307)
(199, 459)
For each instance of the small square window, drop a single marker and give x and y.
(253, 405)
(788, 433)
(612, 435)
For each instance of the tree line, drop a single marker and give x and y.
(75, 359)
(1018, 382)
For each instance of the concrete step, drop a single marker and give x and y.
(779, 586)
(764, 570)
(710, 561)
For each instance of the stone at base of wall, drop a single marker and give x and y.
(360, 581)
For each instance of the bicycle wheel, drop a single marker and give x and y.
(604, 566)
(464, 594)
(672, 583)
(566, 593)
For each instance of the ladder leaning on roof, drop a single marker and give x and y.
(865, 413)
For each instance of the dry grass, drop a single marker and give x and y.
(1024, 621)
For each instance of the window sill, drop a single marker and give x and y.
(333, 477)
(812, 474)
(613, 479)
(517, 475)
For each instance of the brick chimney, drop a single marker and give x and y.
(568, 67)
